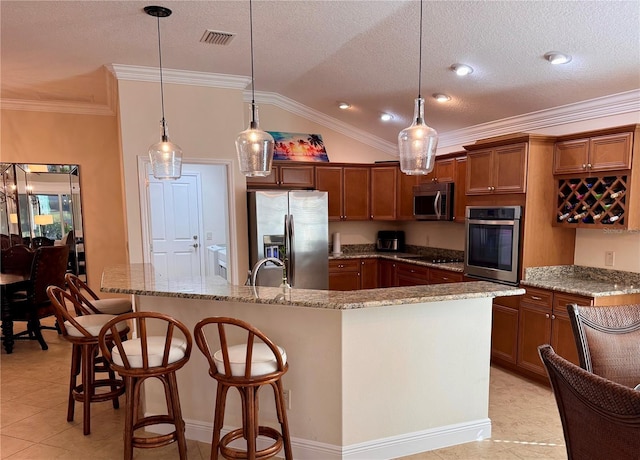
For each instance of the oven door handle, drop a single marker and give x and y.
(436, 204)
(491, 222)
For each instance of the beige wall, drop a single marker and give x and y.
(90, 141)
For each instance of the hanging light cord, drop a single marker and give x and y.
(164, 126)
(420, 60)
(253, 86)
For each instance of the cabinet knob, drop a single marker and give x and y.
(584, 166)
(535, 297)
(546, 315)
(489, 188)
(553, 316)
(589, 165)
(371, 216)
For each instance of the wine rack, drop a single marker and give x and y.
(592, 201)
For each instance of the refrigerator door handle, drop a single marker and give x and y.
(291, 269)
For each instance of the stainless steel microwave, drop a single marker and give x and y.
(433, 201)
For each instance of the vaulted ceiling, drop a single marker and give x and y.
(320, 52)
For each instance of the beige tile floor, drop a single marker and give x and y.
(33, 395)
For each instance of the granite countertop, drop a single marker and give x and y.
(400, 257)
(140, 279)
(586, 281)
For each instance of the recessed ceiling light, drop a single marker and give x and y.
(344, 105)
(386, 117)
(462, 69)
(555, 57)
(441, 97)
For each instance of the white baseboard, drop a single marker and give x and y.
(378, 449)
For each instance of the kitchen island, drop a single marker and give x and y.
(374, 374)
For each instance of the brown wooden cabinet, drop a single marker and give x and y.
(593, 154)
(348, 188)
(384, 192)
(411, 274)
(543, 319)
(290, 176)
(404, 207)
(368, 273)
(439, 276)
(344, 274)
(497, 170)
(460, 190)
(504, 330)
(387, 273)
(444, 171)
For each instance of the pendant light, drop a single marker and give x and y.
(254, 146)
(417, 143)
(165, 156)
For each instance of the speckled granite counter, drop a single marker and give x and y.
(345, 358)
(139, 279)
(400, 257)
(586, 281)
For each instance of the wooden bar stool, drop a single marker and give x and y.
(247, 367)
(163, 346)
(85, 296)
(82, 331)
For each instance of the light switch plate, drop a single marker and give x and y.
(609, 258)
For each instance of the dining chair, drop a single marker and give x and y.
(608, 340)
(40, 241)
(48, 269)
(17, 259)
(600, 418)
(84, 295)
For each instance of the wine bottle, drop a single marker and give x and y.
(612, 219)
(577, 217)
(563, 216)
(616, 194)
(598, 216)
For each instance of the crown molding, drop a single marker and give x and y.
(606, 106)
(325, 120)
(179, 77)
(77, 108)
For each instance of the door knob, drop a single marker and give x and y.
(195, 245)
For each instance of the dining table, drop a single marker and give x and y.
(10, 282)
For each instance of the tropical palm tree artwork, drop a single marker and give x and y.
(298, 147)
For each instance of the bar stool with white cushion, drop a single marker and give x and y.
(245, 366)
(82, 331)
(84, 295)
(163, 345)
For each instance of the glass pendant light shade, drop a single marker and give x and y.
(255, 150)
(254, 146)
(417, 144)
(165, 157)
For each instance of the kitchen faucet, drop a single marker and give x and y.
(253, 273)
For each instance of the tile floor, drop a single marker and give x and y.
(33, 397)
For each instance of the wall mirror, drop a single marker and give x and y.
(40, 205)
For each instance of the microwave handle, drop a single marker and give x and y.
(436, 204)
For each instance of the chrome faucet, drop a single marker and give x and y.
(253, 273)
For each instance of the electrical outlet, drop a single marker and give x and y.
(609, 258)
(287, 398)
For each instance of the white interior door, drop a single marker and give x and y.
(175, 227)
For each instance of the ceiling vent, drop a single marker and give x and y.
(215, 37)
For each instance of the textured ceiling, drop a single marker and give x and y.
(321, 52)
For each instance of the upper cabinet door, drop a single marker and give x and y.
(610, 153)
(383, 192)
(329, 179)
(356, 184)
(479, 172)
(571, 156)
(510, 166)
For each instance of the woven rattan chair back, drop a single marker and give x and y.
(600, 418)
(608, 341)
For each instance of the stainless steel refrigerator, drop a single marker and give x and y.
(292, 225)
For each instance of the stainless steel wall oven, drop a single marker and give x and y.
(492, 243)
